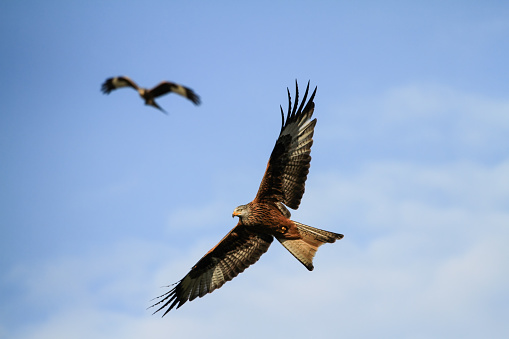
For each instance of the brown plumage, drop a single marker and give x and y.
(265, 217)
(149, 95)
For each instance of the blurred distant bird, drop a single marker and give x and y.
(150, 94)
(265, 217)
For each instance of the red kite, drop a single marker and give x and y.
(149, 95)
(265, 217)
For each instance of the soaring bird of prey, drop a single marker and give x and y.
(264, 218)
(149, 95)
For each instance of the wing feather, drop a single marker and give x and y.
(288, 166)
(239, 249)
(165, 87)
(117, 82)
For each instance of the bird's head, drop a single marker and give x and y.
(241, 212)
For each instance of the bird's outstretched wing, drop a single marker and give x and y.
(117, 82)
(239, 249)
(288, 165)
(166, 87)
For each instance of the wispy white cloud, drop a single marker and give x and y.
(422, 121)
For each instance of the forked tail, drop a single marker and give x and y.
(304, 249)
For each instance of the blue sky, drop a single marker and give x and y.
(105, 200)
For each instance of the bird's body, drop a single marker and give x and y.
(264, 218)
(149, 95)
(274, 223)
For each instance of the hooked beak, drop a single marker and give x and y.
(235, 213)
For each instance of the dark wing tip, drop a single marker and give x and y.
(296, 98)
(303, 99)
(282, 118)
(107, 86)
(288, 112)
(169, 299)
(293, 112)
(191, 95)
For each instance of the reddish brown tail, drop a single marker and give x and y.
(304, 249)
